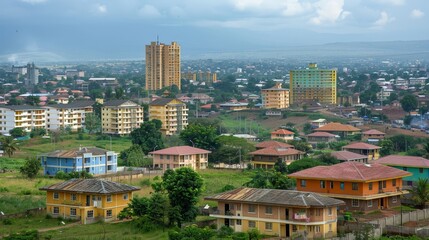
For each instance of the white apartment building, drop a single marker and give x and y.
(67, 115)
(22, 116)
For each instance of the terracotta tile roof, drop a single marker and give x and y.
(361, 145)
(351, 171)
(273, 144)
(405, 161)
(348, 156)
(90, 186)
(374, 132)
(337, 127)
(282, 131)
(76, 152)
(276, 151)
(321, 134)
(180, 150)
(276, 197)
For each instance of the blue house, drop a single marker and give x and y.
(418, 166)
(90, 159)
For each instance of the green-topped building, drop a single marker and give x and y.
(313, 84)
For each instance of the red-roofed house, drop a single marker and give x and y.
(266, 144)
(267, 157)
(418, 166)
(372, 151)
(339, 129)
(346, 156)
(373, 136)
(282, 134)
(320, 137)
(180, 156)
(363, 187)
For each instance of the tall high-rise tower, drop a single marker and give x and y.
(162, 65)
(313, 84)
(32, 75)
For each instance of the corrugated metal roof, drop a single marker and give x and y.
(76, 152)
(276, 197)
(90, 186)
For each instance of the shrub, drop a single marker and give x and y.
(145, 182)
(4, 189)
(227, 187)
(48, 216)
(7, 221)
(144, 224)
(225, 231)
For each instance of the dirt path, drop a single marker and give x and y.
(58, 227)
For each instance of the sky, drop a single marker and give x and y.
(119, 29)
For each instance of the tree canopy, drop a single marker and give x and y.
(200, 136)
(409, 103)
(9, 145)
(148, 136)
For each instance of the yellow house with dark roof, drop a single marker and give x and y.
(88, 200)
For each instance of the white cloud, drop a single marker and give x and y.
(33, 1)
(392, 2)
(177, 11)
(247, 4)
(329, 11)
(101, 8)
(149, 11)
(294, 7)
(416, 13)
(383, 20)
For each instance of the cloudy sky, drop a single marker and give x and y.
(119, 29)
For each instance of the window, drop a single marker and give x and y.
(125, 197)
(238, 222)
(252, 224)
(329, 211)
(369, 203)
(331, 184)
(56, 210)
(268, 226)
(317, 229)
(384, 184)
(268, 210)
(355, 186)
(330, 227)
(394, 182)
(420, 170)
(370, 186)
(394, 199)
(73, 197)
(355, 203)
(251, 208)
(90, 214)
(322, 184)
(56, 195)
(405, 168)
(161, 156)
(109, 198)
(109, 213)
(72, 211)
(303, 183)
(342, 185)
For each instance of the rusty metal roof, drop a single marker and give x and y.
(76, 152)
(276, 197)
(97, 186)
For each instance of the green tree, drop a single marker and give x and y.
(200, 136)
(192, 232)
(17, 132)
(158, 208)
(327, 159)
(307, 128)
(119, 93)
(183, 187)
(386, 147)
(232, 149)
(300, 145)
(134, 156)
(92, 123)
(148, 136)
(280, 166)
(9, 145)
(270, 179)
(409, 103)
(31, 167)
(420, 192)
(302, 164)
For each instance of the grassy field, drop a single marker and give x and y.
(27, 223)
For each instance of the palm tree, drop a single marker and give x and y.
(426, 148)
(9, 145)
(420, 192)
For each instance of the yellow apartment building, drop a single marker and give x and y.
(275, 97)
(121, 117)
(88, 200)
(162, 65)
(180, 156)
(280, 213)
(173, 114)
(21, 116)
(313, 84)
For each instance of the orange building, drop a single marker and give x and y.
(363, 187)
(282, 134)
(88, 200)
(281, 213)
